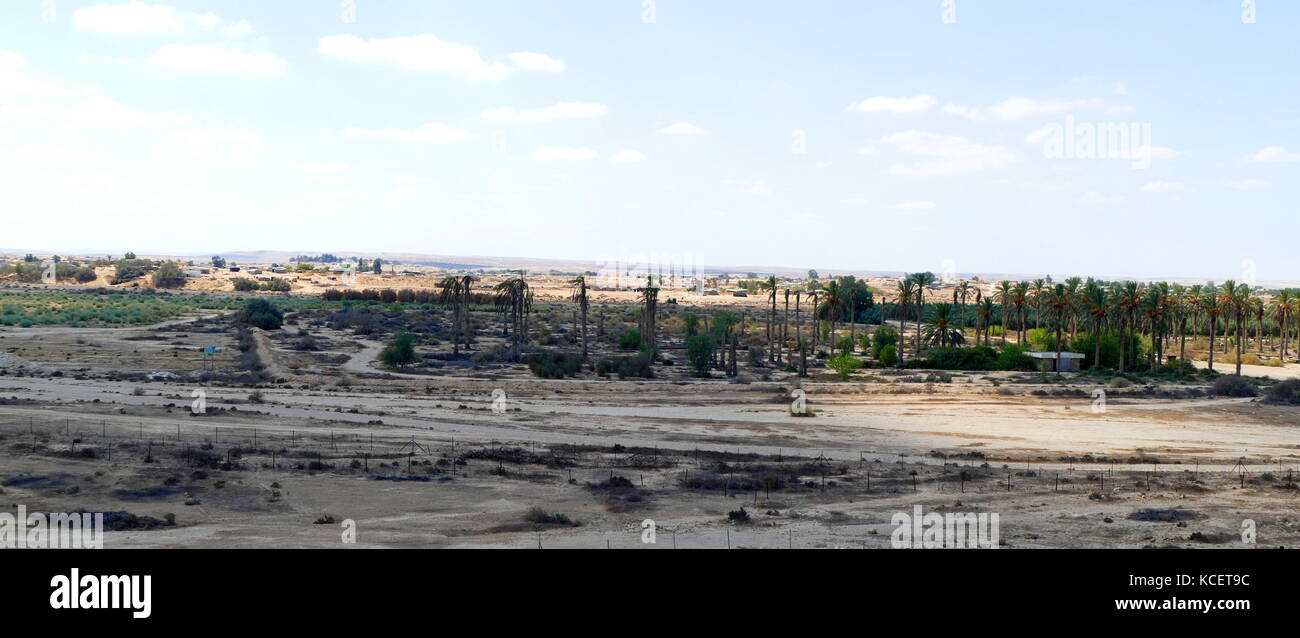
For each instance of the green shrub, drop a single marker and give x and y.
(244, 284)
(400, 352)
(637, 366)
(168, 275)
(699, 351)
(555, 365)
(845, 365)
(262, 314)
(1013, 357)
(277, 285)
(888, 355)
(129, 269)
(953, 358)
(883, 336)
(630, 340)
(1285, 392)
(1231, 385)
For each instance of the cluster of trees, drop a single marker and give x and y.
(1126, 325)
(245, 284)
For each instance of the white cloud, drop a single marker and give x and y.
(1155, 152)
(416, 53)
(951, 154)
(204, 58)
(1165, 187)
(103, 59)
(209, 145)
(868, 150)
(14, 80)
(914, 205)
(561, 111)
(682, 128)
(895, 105)
(432, 132)
(320, 168)
(536, 62)
(238, 29)
(753, 189)
(1273, 154)
(563, 153)
(135, 18)
(627, 157)
(96, 112)
(43, 152)
(1097, 199)
(1016, 108)
(1248, 184)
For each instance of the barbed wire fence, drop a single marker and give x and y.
(403, 455)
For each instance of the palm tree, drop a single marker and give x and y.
(1212, 306)
(1059, 305)
(457, 291)
(514, 299)
(939, 328)
(650, 305)
(1003, 295)
(1094, 296)
(1282, 308)
(923, 281)
(986, 317)
(1039, 292)
(960, 294)
(769, 285)
(579, 286)
(1073, 291)
(906, 294)
(834, 306)
(785, 330)
(1020, 299)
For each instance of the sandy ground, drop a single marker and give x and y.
(1058, 473)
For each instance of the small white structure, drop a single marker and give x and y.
(1070, 361)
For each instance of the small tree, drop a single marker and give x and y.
(400, 352)
(699, 351)
(889, 355)
(168, 275)
(262, 314)
(845, 365)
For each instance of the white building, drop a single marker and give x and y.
(1070, 361)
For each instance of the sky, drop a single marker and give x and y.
(1106, 138)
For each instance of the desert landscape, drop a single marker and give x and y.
(437, 406)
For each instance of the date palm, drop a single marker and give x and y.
(986, 317)
(579, 295)
(939, 327)
(514, 299)
(1098, 304)
(770, 286)
(1002, 294)
(1058, 303)
(1020, 300)
(1038, 294)
(649, 306)
(923, 281)
(1211, 306)
(905, 293)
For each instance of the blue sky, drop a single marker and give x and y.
(910, 135)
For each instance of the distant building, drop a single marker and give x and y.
(1070, 361)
